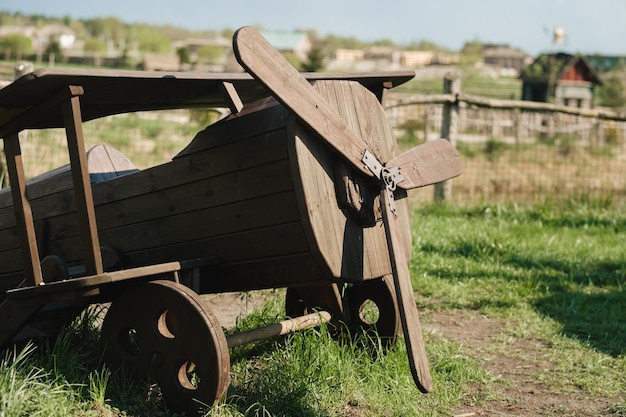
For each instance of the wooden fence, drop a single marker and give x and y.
(517, 151)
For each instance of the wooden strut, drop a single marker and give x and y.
(85, 209)
(70, 104)
(23, 212)
(278, 329)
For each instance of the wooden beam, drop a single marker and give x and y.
(234, 101)
(278, 329)
(23, 212)
(82, 187)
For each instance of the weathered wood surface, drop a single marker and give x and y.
(290, 88)
(416, 351)
(86, 212)
(229, 194)
(103, 162)
(278, 329)
(111, 92)
(352, 251)
(23, 212)
(233, 193)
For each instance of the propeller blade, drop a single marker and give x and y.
(429, 163)
(415, 350)
(289, 87)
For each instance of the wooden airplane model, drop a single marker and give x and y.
(290, 190)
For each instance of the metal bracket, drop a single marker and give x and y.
(389, 177)
(372, 163)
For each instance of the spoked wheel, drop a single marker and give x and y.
(162, 329)
(369, 306)
(373, 309)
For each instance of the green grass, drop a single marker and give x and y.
(555, 273)
(472, 82)
(552, 274)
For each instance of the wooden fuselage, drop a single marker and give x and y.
(254, 195)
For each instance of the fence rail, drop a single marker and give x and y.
(518, 150)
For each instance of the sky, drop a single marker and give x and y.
(591, 26)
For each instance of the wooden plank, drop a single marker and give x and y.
(427, 164)
(207, 196)
(39, 294)
(268, 242)
(265, 120)
(234, 101)
(105, 163)
(82, 186)
(194, 230)
(416, 352)
(113, 92)
(266, 64)
(263, 273)
(23, 213)
(150, 233)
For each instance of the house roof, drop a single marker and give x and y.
(500, 51)
(558, 64)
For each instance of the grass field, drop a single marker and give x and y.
(522, 309)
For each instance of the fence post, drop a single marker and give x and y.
(449, 129)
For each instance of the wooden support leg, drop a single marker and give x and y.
(23, 213)
(82, 186)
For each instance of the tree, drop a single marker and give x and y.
(612, 92)
(211, 54)
(94, 45)
(16, 45)
(184, 57)
(53, 50)
(315, 60)
(109, 29)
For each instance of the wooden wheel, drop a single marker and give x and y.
(373, 308)
(368, 306)
(162, 329)
(300, 301)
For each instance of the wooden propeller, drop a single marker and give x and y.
(422, 165)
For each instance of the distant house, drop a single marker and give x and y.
(54, 32)
(297, 43)
(348, 56)
(414, 59)
(499, 56)
(505, 57)
(42, 36)
(160, 62)
(560, 78)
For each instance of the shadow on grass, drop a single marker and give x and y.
(585, 296)
(598, 320)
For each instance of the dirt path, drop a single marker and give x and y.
(519, 364)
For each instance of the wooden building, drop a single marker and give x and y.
(560, 78)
